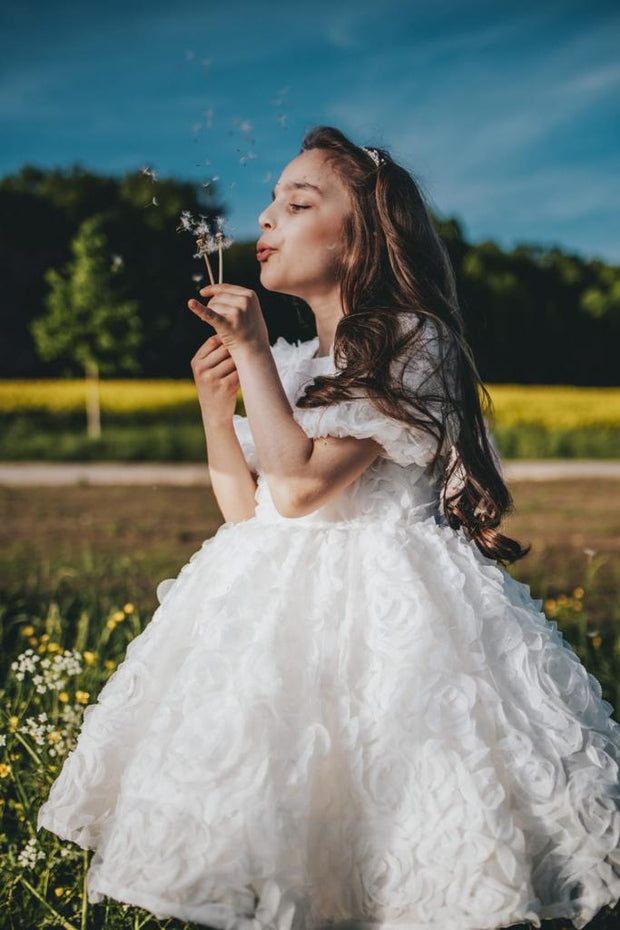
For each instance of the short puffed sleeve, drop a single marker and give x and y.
(402, 442)
(241, 426)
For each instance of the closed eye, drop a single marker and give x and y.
(299, 206)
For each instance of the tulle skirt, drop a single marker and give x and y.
(349, 721)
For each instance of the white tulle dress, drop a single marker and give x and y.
(349, 716)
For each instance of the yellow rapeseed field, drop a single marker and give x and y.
(560, 407)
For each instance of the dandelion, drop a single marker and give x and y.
(589, 553)
(128, 608)
(28, 630)
(578, 592)
(89, 657)
(206, 241)
(63, 697)
(110, 664)
(117, 262)
(5, 770)
(118, 615)
(59, 892)
(82, 697)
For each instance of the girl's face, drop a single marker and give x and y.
(304, 226)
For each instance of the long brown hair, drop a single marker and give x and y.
(393, 263)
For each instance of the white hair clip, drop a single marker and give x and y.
(378, 159)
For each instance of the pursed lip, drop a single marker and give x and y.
(263, 252)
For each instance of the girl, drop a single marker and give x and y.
(344, 707)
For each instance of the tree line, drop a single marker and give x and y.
(533, 314)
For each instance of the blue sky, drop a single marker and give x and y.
(506, 113)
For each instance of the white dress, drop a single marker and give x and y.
(352, 715)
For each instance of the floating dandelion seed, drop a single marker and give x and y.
(117, 263)
(281, 117)
(245, 126)
(247, 157)
(267, 177)
(149, 172)
(154, 203)
(196, 127)
(209, 115)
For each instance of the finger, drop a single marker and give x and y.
(224, 366)
(213, 353)
(209, 345)
(224, 288)
(206, 314)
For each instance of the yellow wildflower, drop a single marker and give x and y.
(4, 770)
(111, 623)
(33, 641)
(13, 721)
(53, 736)
(53, 647)
(89, 657)
(110, 663)
(45, 637)
(128, 608)
(28, 630)
(596, 641)
(550, 604)
(577, 605)
(118, 615)
(42, 648)
(14, 756)
(82, 697)
(578, 592)
(59, 892)
(18, 805)
(63, 696)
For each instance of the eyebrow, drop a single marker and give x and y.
(300, 185)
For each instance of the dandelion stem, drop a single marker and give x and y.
(61, 920)
(221, 257)
(202, 247)
(208, 264)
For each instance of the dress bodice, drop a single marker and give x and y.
(398, 485)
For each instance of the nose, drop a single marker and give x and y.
(263, 219)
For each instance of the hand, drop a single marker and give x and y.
(235, 314)
(217, 380)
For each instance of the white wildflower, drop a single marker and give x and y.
(30, 854)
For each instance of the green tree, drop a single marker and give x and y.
(87, 323)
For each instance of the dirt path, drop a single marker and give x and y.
(153, 473)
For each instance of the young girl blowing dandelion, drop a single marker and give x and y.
(345, 707)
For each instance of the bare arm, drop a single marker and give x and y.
(234, 485)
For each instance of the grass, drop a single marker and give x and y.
(78, 569)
